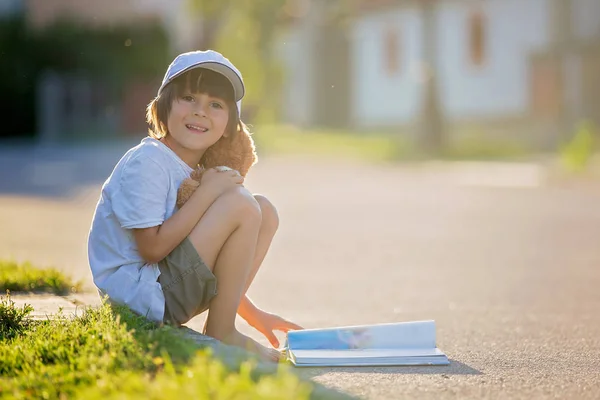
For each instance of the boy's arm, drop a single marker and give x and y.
(264, 322)
(156, 242)
(247, 309)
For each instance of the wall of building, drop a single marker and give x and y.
(297, 53)
(297, 82)
(585, 19)
(385, 50)
(497, 86)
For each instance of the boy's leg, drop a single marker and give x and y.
(225, 238)
(188, 272)
(268, 228)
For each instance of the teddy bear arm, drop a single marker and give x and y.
(185, 191)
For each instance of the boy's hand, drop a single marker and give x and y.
(219, 182)
(266, 323)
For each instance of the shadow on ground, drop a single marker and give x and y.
(57, 170)
(232, 356)
(455, 368)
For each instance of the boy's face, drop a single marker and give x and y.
(197, 121)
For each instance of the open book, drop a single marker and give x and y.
(402, 343)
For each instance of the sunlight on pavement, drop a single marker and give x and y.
(498, 174)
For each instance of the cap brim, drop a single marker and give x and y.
(230, 74)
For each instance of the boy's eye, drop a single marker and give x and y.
(216, 105)
(187, 98)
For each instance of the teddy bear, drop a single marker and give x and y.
(235, 152)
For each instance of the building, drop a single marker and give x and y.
(498, 62)
(69, 104)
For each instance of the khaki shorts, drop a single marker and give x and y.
(187, 283)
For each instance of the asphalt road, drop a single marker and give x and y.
(507, 265)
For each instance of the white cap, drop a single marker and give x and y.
(208, 59)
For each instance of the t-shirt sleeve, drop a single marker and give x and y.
(140, 199)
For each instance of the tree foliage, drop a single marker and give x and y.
(113, 55)
(245, 31)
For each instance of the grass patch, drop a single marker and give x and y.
(283, 139)
(23, 277)
(380, 146)
(13, 320)
(110, 353)
(478, 147)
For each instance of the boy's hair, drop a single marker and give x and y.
(198, 80)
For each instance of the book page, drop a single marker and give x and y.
(401, 335)
(369, 353)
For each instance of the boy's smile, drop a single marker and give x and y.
(197, 128)
(196, 122)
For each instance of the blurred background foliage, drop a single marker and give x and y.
(126, 61)
(577, 153)
(111, 55)
(246, 31)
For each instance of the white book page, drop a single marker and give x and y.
(373, 353)
(401, 335)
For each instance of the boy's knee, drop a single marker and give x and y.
(241, 201)
(270, 216)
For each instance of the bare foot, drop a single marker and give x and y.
(265, 353)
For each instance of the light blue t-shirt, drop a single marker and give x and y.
(141, 192)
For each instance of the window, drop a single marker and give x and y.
(391, 51)
(477, 38)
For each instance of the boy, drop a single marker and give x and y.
(171, 264)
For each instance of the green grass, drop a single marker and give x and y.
(282, 139)
(23, 277)
(378, 146)
(479, 147)
(13, 320)
(110, 353)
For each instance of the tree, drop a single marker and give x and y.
(430, 132)
(245, 31)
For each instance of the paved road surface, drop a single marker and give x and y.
(509, 268)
